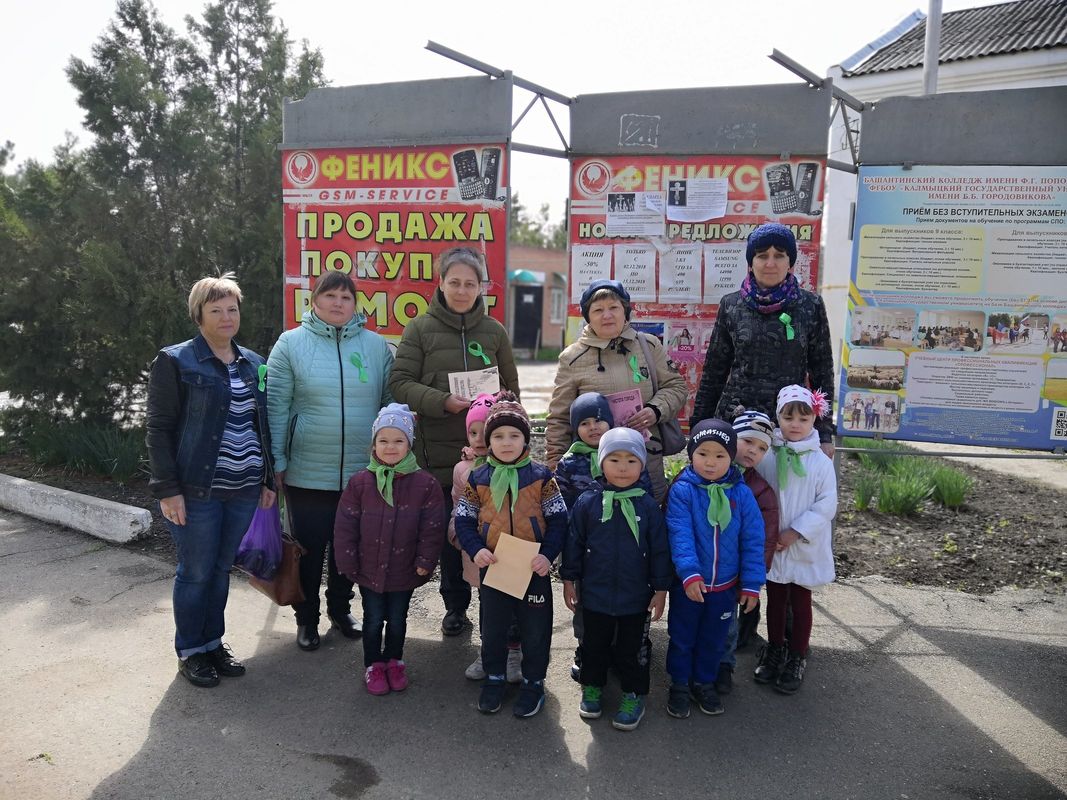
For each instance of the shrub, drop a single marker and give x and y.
(89, 448)
(902, 495)
(866, 488)
(950, 486)
(918, 466)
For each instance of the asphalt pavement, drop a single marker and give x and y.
(910, 693)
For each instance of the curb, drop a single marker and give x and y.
(104, 519)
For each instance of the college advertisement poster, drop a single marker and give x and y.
(673, 230)
(957, 326)
(382, 215)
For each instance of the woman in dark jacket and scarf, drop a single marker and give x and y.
(768, 335)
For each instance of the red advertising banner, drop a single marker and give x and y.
(383, 215)
(673, 230)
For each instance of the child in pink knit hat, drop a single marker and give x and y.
(474, 455)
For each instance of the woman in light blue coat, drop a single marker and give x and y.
(326, 381)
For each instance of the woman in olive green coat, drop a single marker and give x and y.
(454, 335)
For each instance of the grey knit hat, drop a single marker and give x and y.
(395, 415)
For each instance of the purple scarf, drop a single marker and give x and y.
(770, 301)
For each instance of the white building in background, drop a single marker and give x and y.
(1013, 45)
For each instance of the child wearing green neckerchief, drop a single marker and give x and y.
(617, 562)
(716, 533)
(510, 494)
(388, 534)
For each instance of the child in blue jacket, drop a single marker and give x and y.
(716, 534)
(618, 550)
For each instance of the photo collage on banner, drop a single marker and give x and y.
(957, 326)
(383, 215)
(673, 230)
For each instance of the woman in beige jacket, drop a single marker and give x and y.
(607, 358)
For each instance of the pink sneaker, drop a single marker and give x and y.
(395, 674)
(375, 678)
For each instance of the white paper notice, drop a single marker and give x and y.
(679, 274)
(635, 214)
(635, 268)
(696, 199)
(725, 268)
(588, 264)
(472, 384)
(993, 384)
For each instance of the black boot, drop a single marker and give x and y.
(349, 626)
(307, 637)
(771, 659)
(792, 674)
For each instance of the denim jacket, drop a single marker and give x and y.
(188, 402)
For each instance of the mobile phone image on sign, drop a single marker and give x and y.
(468, 179)
(807, 173)
(780, 185)
(490, 171)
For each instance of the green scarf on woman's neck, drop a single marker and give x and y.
(788, 460)
(505, 478)
(625, 503)
(384, 474)
(580, 448)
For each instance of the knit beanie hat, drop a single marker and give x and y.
(596, 286)
(754, 425)
(479, 409)
(395, 415)
(713, 430)
(772, 234)
(626, 439)
(507, 411)
(590, 404)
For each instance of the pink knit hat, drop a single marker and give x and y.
(479, 409)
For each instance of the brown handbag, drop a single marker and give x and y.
(284, 588)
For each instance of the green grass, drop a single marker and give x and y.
(88, 448)
(866, 488)
(951, 486)
(903, 495)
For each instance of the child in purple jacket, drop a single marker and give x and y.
(388, 534)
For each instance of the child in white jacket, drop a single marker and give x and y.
(803, 478)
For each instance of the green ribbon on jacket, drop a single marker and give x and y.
(357, 362)
(384, 474)
(788, 461)
(787, 320)
(719, 505)
(475, 349)
(635, 369)
(505, 478)
(627, 506)
(580, 448)
(262, 371)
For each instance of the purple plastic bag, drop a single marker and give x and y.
(260, 552)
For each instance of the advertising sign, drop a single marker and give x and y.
(382, 215)
(957, 327)
(673, 230)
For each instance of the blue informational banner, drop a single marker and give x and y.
(957, 324)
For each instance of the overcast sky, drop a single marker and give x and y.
(573, 47)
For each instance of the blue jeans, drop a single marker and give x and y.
(388, 610)
(207, 544)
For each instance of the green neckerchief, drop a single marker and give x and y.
(719, 505)
(505, 478)
(788, 459)
(383, 474)
(787, 320)
(580, 448)
(625, 503)
(478, 461)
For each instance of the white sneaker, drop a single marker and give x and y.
(514, 669)
(474, 671)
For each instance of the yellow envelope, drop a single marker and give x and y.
(512, 571)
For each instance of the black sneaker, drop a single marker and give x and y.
(531, 699)
(724, 681)
(199, 671)
(792, 674)
(771, 659)
(678, 701)
(225, 663)
(707, 698)
(492, 696)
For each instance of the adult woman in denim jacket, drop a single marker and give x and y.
(209, 451)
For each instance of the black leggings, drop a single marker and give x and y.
(313, 513)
